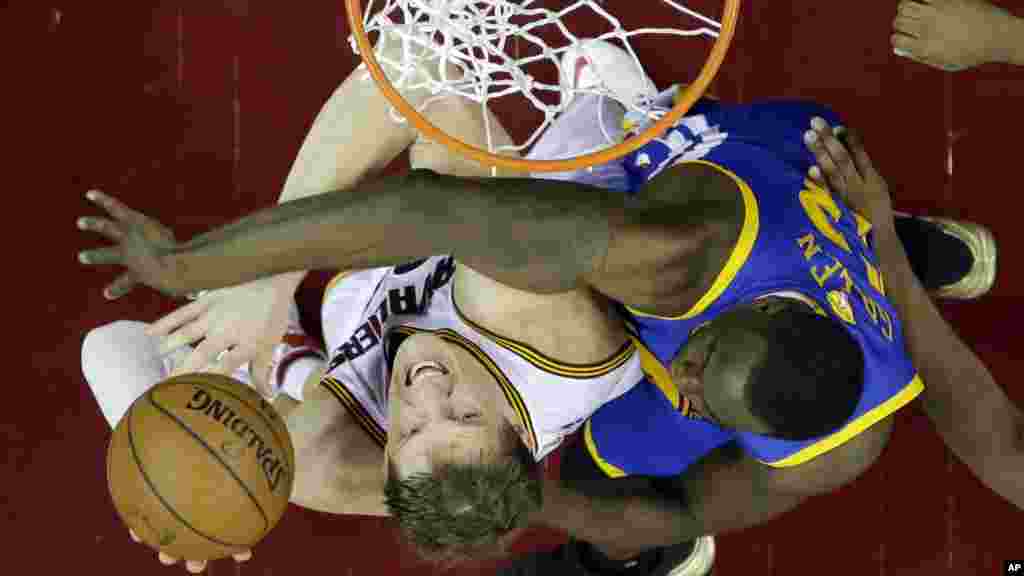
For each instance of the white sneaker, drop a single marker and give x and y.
(600, 66)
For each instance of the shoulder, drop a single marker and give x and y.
(698, 215)
(837, 467)
(338, 466)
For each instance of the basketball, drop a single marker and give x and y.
(200, 467)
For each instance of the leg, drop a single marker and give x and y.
(120, 363)
(590, 122)
(957, 34)
(353, 136)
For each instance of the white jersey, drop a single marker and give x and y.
(365, 315)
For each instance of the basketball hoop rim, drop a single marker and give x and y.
(689, 96)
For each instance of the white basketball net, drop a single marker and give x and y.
(486, 40)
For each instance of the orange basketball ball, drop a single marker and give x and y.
(200, 467)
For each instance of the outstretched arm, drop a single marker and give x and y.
(537, 235)
(970, 411)
(534, 234)
(353, 137)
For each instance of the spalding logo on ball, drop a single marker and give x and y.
(269, 462)
(200, 467)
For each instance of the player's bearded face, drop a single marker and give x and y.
(443, 407)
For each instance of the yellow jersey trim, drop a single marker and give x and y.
(352, 404)
(738, 257)
(609, 469)
(854, 427)
(657, 372)
(547, 363)
(863, 224)
(509, 390)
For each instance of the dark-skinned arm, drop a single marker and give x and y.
(624, 516)
(1013, 42)
(970, 411)
(724, 491)
(543, 236)
(539, 235)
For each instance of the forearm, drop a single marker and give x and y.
(968, 408)
(540, 235)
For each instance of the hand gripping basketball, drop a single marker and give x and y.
(200, 468)
(193, 566)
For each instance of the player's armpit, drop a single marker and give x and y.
(837, 467)
(673, 244)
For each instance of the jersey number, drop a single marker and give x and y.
(824, 213)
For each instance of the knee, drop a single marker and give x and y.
(102, 346)
(427, 155)
(119, 363)
(457, 117)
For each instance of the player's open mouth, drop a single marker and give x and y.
(426, 368)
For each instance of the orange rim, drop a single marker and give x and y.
(487, 158)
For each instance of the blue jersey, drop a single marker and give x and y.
(796, 241)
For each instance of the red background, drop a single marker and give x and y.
(193, 111)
